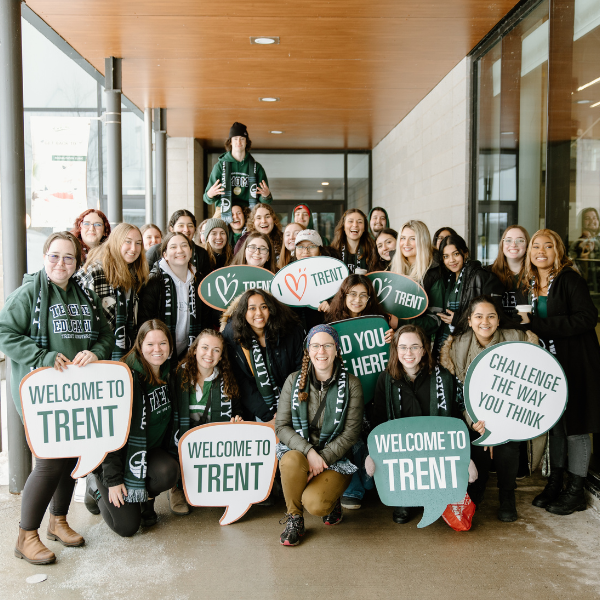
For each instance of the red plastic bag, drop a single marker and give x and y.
(460, 514)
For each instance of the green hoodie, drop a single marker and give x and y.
(239, 179)
(387, 219)
(25, 355)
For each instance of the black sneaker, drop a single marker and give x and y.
(149, 516)
(92, 495)
(335, 516)
(294, 530)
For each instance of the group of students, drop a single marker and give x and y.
(131, 295)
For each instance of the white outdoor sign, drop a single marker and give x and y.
(80, 412)
(309, 281)
(228, 464)
(518, 389)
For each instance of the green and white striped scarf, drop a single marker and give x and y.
(226, 197)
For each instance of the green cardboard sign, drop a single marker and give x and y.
(518, 389)
(399, 295)
(364, 350)
(223, 285)
(421, 461)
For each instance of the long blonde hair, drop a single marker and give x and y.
(561, 259)
(117, 272)
(424, 256)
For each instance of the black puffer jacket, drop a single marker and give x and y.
(285, 358)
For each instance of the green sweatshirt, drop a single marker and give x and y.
(25, 355)
(239, 180)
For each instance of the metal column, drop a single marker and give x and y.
(148, 153)
(160, 145)
(14, 236)
(112, 116)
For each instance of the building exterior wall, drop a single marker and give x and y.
(185, 176)
(421, 169)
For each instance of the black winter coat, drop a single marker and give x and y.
(570, 329)
(285, 358)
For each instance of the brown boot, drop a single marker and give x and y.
(59, 530)
(177, 502)
(30, 547)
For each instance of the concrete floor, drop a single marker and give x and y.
(366, 557)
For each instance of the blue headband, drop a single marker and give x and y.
(324, 329)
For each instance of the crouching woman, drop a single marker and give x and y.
(319, 419)
(132, 477)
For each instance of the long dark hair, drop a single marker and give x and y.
(463, 323)
(366, 242)
(437, 234)
(282, 319)
(145, 329)
(394, 366)
(182, 212)
(338, 311)
(459, 243)
(227, 251)
(188, 366)
(240, 255)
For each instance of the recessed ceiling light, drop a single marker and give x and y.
(583, 101)
(507, 133)
(264, 40)
(588, 84)
(269, 99)
(319, 191)
(597, 103)
(277, 132)
(324, 182)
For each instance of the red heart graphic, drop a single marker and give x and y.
(296, 284)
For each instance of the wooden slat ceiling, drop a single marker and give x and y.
(346, 72)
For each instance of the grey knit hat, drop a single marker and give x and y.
(212, 224)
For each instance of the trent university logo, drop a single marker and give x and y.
(137, 464)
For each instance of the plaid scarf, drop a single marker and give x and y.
(441, 384)
(170, 314)
(39, 318)
(226, 197)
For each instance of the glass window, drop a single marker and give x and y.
(512, 95)
(358, 181)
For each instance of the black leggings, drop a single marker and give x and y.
(50, 483)
(162, 475)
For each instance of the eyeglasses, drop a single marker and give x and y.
(96, 225)
(315, 347)
(306, 248)
(55, 258)
(405, 349)
(355, 295)
(261, 250)
(517, 241)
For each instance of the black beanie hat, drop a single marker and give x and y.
(238, 129)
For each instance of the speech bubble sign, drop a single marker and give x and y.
(421, 461)
(228, 464)
(309, 281)
(519, 389)
(82, 412)
(364, 350)
(223, 285)
(399, 295)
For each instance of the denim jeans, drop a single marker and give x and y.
(571, 452)
(360, 482)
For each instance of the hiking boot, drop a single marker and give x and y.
(30, 547)
(92, 495)
(294, 530)
(507, 513)
(351, 503)
(335, 516)
(59, 531)
(177, 502)
(572, 499)
(149, 516)
(401, 515)
(552, 490)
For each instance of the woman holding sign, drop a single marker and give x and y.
(37, 326)
(564, 316)
(171, 294)
(130, 478)
(256, 251)
(353, 242)
(264, 340)
(117, 271)
(409, 388)
(319, 420)
(478, 330)
(414, 259)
